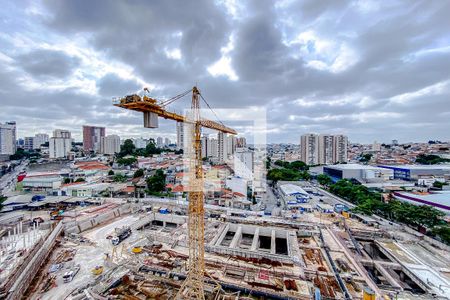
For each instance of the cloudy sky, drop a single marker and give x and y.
(370, 70)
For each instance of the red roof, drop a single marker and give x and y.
(238, 194)
(178, 189)
(128, 189)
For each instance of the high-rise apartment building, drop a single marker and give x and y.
(340, 149)
(309, 147)
(61, 133)
(140, 143)
(166, 142)
(222, 146)
(326, 149)
(241, 142)
(8, 138)
(39, 139)
(28, 143)
(110, 144)
(92, 136)
(159, 142)
(323, 149)
(60, 144)
(180, 135)
(244, 164)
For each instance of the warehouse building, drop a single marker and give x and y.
(412, 172)
(362, 173)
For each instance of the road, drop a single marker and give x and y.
(9, 180)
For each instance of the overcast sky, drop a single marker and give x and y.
(369, 70)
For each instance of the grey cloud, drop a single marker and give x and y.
(112, 85)
(48, 63)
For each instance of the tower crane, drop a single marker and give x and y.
(193, 286)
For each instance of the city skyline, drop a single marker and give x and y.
(354, 68)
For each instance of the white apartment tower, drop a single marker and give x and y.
(326, 147)
(159, 142)
(180, 135)
(309, 145)
(340, 148)
(60, 144)
(110, 144)
(39, 139)
(222, 147)
(8, 138)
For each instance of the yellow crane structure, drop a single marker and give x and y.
(193, 286)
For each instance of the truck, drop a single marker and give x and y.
(120, 235)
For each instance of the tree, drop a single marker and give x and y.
(2, 199)
(438, 184)
(157, 182)
(324, 179)
(298, 165)
(443, 232)
(110, 173)
(151, 148)
(126, 161)
(127, 148)
(119, 178)
(138, 173)
(80, 180)
(66, 180)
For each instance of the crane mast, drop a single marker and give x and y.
(193, 286)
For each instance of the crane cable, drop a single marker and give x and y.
(173, 99)
(207, 104)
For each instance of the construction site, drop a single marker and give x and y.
(137, 251)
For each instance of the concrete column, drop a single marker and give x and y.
(236, 238)
(222, 236)
(164, 224)
(255, 240)
(272, 244)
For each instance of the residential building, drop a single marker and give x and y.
(60, 144)
(110, 144)
(159, 142)
(140, 143)
(376, 147)
(326, 149)
(28, 143)
(212, 148)
(61, 133)
(309, 144)
(180, 135)
(39, 139)
(166, 142)
(244, 163)
(241, 142)
(340, 149)
(222, 147)
(8, 138)
(92, 136)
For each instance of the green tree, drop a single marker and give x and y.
(2, 199)
(157, 182)
(138, 173)
(126, 161)
(119, 178)
(152, 149)
(127, 148)
(66, 180)
(443, 232)
(110, 173)
(80, 180)
(438, 184)
(324, 179)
